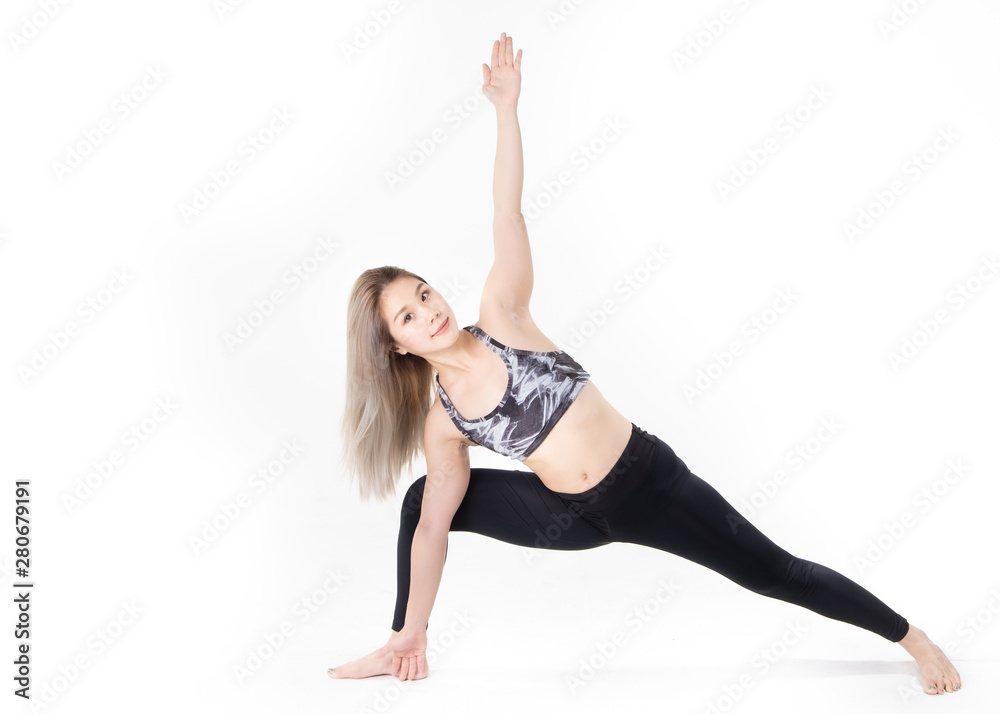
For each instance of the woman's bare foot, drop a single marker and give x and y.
(937, 674)
(368, 666)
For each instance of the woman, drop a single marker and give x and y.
(594, 473)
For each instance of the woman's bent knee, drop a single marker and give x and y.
(410, 509)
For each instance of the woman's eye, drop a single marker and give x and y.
(406, 318)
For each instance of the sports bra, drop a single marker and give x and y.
(540, 388)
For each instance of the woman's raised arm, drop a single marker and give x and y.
(502, 86)
(510, 281)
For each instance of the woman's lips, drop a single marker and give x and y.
(442, 328)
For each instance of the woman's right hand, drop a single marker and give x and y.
(502, 81)
(408, 649)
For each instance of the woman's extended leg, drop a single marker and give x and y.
(697, 523)
(672, 509)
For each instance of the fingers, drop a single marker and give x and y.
(409, 666)
(400, 665)
(503, 51)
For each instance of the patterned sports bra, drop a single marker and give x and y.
(540, 388)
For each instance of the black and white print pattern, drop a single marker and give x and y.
(540, 388)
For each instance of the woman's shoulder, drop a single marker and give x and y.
(515, 329)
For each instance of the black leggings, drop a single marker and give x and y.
(651, 498)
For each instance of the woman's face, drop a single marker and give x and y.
(414, 312)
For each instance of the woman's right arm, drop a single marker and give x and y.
(426, 567)
(448, 474)
(447, 480)
(409, 645)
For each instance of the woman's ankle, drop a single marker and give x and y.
(915, 638)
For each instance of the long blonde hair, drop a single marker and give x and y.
(388, 394)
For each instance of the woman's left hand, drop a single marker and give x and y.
(502, 80)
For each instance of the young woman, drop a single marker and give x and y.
(503, 384)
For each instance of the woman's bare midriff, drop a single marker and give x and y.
(583, 446)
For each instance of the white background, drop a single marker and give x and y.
(369, 86)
